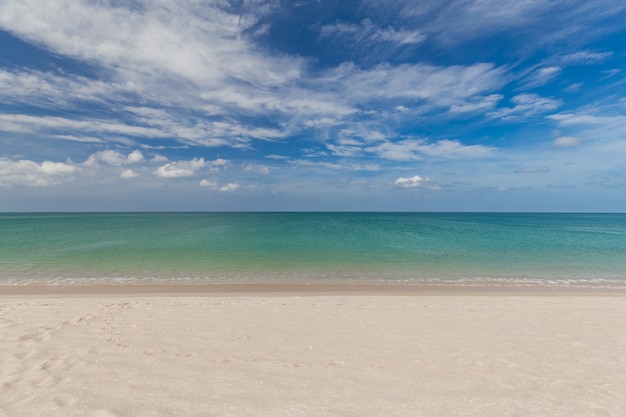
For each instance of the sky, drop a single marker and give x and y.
(314, 105)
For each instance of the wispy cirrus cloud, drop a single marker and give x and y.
(540, 76)
(62, 125)
(366, 32)
(584, 57)
(411, 149)
(539, 23)
(201, 75)
(526, 105)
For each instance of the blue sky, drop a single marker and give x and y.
(464, 105)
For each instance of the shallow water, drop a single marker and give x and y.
(445, 248)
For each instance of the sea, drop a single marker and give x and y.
(450, 249)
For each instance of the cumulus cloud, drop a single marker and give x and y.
(208, 184)
(409, 182)
(218, 164)
(128, 173)
(103, 165)
(108, 157)
(258, 169)
(134, 157)
(114, 158)
(180, 169)
(159, 158)
(231, 186)
(30, 173)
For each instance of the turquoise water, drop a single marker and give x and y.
(447, 248)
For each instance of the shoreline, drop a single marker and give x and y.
(300, 289)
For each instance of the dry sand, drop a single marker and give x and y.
(314, 355)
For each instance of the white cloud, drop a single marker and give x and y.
(405, 150)
(539, 23)
(573, 88)
(195, 41)
(604, 125)
(410, 182)
(438, 86)
(134, 157)
(56, 125)
(258, 169)
(277, 157)
(187, 60)
(412, 149)
(81, 138)
(180, 169)
(335, 166)
(611, 72)
(110, 157)
(476, 104)
(567, 141)
(45, 89)
(101, 166)
(208, 183)
(568, 119)
(30, 173)
(220, 162)
(188, 55)
(585, 57)
(526, 105)
(159, 158)
(541, 76)
(368, 32)
(231, 186)
(455, 150)
(128, 173)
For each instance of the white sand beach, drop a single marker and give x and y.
(289, 354)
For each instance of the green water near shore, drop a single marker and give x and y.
(452, 248)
